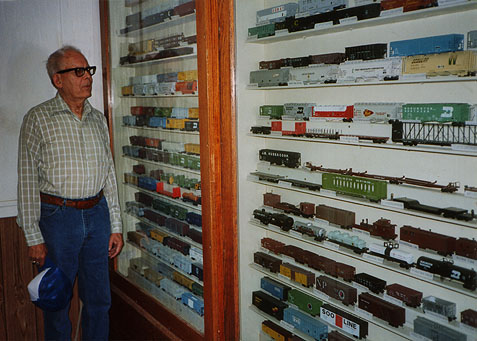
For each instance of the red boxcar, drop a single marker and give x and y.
(409, 296)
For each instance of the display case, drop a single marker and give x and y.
(352, 224)
(158, 61)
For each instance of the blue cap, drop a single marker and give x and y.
(50, 290)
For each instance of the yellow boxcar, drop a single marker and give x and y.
(127, 90)
(285, 271)
(158, 235)
(182, 280)
(175, 123)
(274, 333)
(193, 112)
(192, 148)
(190, 75)
(153, 276)
(460, 63)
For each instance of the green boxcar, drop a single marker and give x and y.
(175, 159)
(262, 31)
(183, 160)
(437, 112)
(197, 289)
(305, 302)
(161, 206)
(178, 212)
(162, 111)
(274, 111)
(372, 189)
(193, 163)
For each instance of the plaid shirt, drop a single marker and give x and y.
(61, 155)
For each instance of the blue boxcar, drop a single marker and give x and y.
(305, 323)
(275, 288)
(193, 302)
(427, 45)
(194, 218)
(129, 120)
(147, 183)
(167, 77)
(157, 122)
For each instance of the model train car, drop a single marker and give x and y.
(409, 296)
(393, 314)
(344, 321)
(439, 306)
(337, 290)
(306, 324)
(436, 331)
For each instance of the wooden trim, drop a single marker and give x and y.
(106, 67)
(215, 49)
(164, 321)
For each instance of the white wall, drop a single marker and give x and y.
(29, 31)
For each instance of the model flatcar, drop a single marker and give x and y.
(374, 284)
(436, 331)
(439, 306)
(275, 288)
(281, 157)
(267, 261)
(337, 290)
(344, 321)
(468, 277)
(410, 297)
(393, 314)
(469, 317)
(448, 212)
(306, 323)
(269, 304)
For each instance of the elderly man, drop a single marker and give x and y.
(67, 192)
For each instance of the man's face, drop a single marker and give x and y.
(69, 85)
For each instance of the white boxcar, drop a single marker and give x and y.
(377, 112)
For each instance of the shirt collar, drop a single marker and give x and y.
(60, 105)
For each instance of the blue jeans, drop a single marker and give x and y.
(77, 242)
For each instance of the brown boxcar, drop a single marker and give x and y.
(343, 218)
(469, 317)
(294, 252)
(135, 237)
(335, 289)
(271, 199)
(409, 296)
(336, 336)
(273, 245)
(393, 314)
(297, 274)
(267, 261)
(466, 248)
(269, 304)
(443, 244)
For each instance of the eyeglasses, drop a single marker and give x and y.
(79, 71)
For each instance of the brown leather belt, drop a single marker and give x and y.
(81, 204)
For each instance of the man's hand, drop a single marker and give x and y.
(115, 244)
(37, 254)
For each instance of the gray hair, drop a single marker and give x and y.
(53, 62)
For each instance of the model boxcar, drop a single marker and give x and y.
(275, 288)
(439, 306)
(343, 218)
(310, 7)
(198, 271)
(295, 252)
(269, 304)
(366, 52)
(387, 69)
(409, 296)
(374, 284)
(437, 112)
(193, 302)
(436, 331)
(153, 276)
(469, 317)
(393, 314)
(297, 274)
(262, 31)
(443, 244)
(281, 157)
(276, 332)
(427, 45)
(276, 13)
(344, 321)
(173, 289)
(267, 261)
(273, 245)
(466, 248)
(305, 302)
(264, 78)
(337, 290)
(306, 323)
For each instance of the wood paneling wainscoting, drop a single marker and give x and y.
(19, 318)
